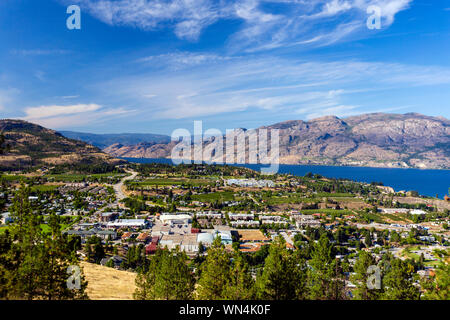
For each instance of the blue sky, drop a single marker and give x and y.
(154, 66)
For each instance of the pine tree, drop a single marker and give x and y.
(168, 278)
(438, 286)
(325, 278)
(283, 276)
(361, 277)
(241, 285)
(34, 264)
(215, 273)
(397, 281)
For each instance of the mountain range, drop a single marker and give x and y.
(375, 140)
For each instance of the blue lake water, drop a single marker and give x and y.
(426, 182)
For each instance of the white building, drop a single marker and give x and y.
(132, 223)
(417, 211)
(175, 218)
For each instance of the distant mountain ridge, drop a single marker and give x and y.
(105, 140)
(409, 140)
(33, 145)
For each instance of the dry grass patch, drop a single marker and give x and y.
(106, 283)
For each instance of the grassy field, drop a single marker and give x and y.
(174, 182)
(327, 211)
(44, 188)
(81, 177)
(215, 196)
(106, 283)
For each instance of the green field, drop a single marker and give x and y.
(82, 177)
(173, 182)
(215, 196)
(43, 188)
(328, 211)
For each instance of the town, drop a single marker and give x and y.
(123, 217)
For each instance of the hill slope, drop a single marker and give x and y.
(106, 283)
(31, 145)
(376, 140)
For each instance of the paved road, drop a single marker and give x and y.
(118, 187)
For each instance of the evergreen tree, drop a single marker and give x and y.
(398, 283)
(437, 287)
(168, 278)
(34, 263)
(325, 278)
(241, 285)
(284, 274)
(361, 277)
(215, 273)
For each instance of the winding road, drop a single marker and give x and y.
(118, 188)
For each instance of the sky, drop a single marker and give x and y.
(153, 66)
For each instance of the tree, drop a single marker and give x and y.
(362, 276)
(397, 281)
(437, 287)
(4, 147)
(34, 263)
(168, 277)
(283, 276)
(241, 285)
(325, 277)
(215, 273)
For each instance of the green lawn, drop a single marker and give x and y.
(174, 182)
(215, 196)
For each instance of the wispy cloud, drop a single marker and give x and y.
(39, 52)
(269, 84)
(57, 116)
(294, 22)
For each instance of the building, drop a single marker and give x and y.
(241, 216)
(253, 183)
(85, 234)
(130, 223)
(417, 212)
(108, 216)
(393, 210)
(187, 243)
(175, 218)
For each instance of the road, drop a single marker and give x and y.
(118, 188)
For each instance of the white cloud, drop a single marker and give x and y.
(299, 23)
(55, 116)
(274, 85)
(53, 111)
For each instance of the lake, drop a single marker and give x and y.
(426, 182)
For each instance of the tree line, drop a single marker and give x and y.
(284, 274)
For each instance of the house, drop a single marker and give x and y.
(151, 248)
(108, 216)
(117, 260)
(127, 236)
(143, 237)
